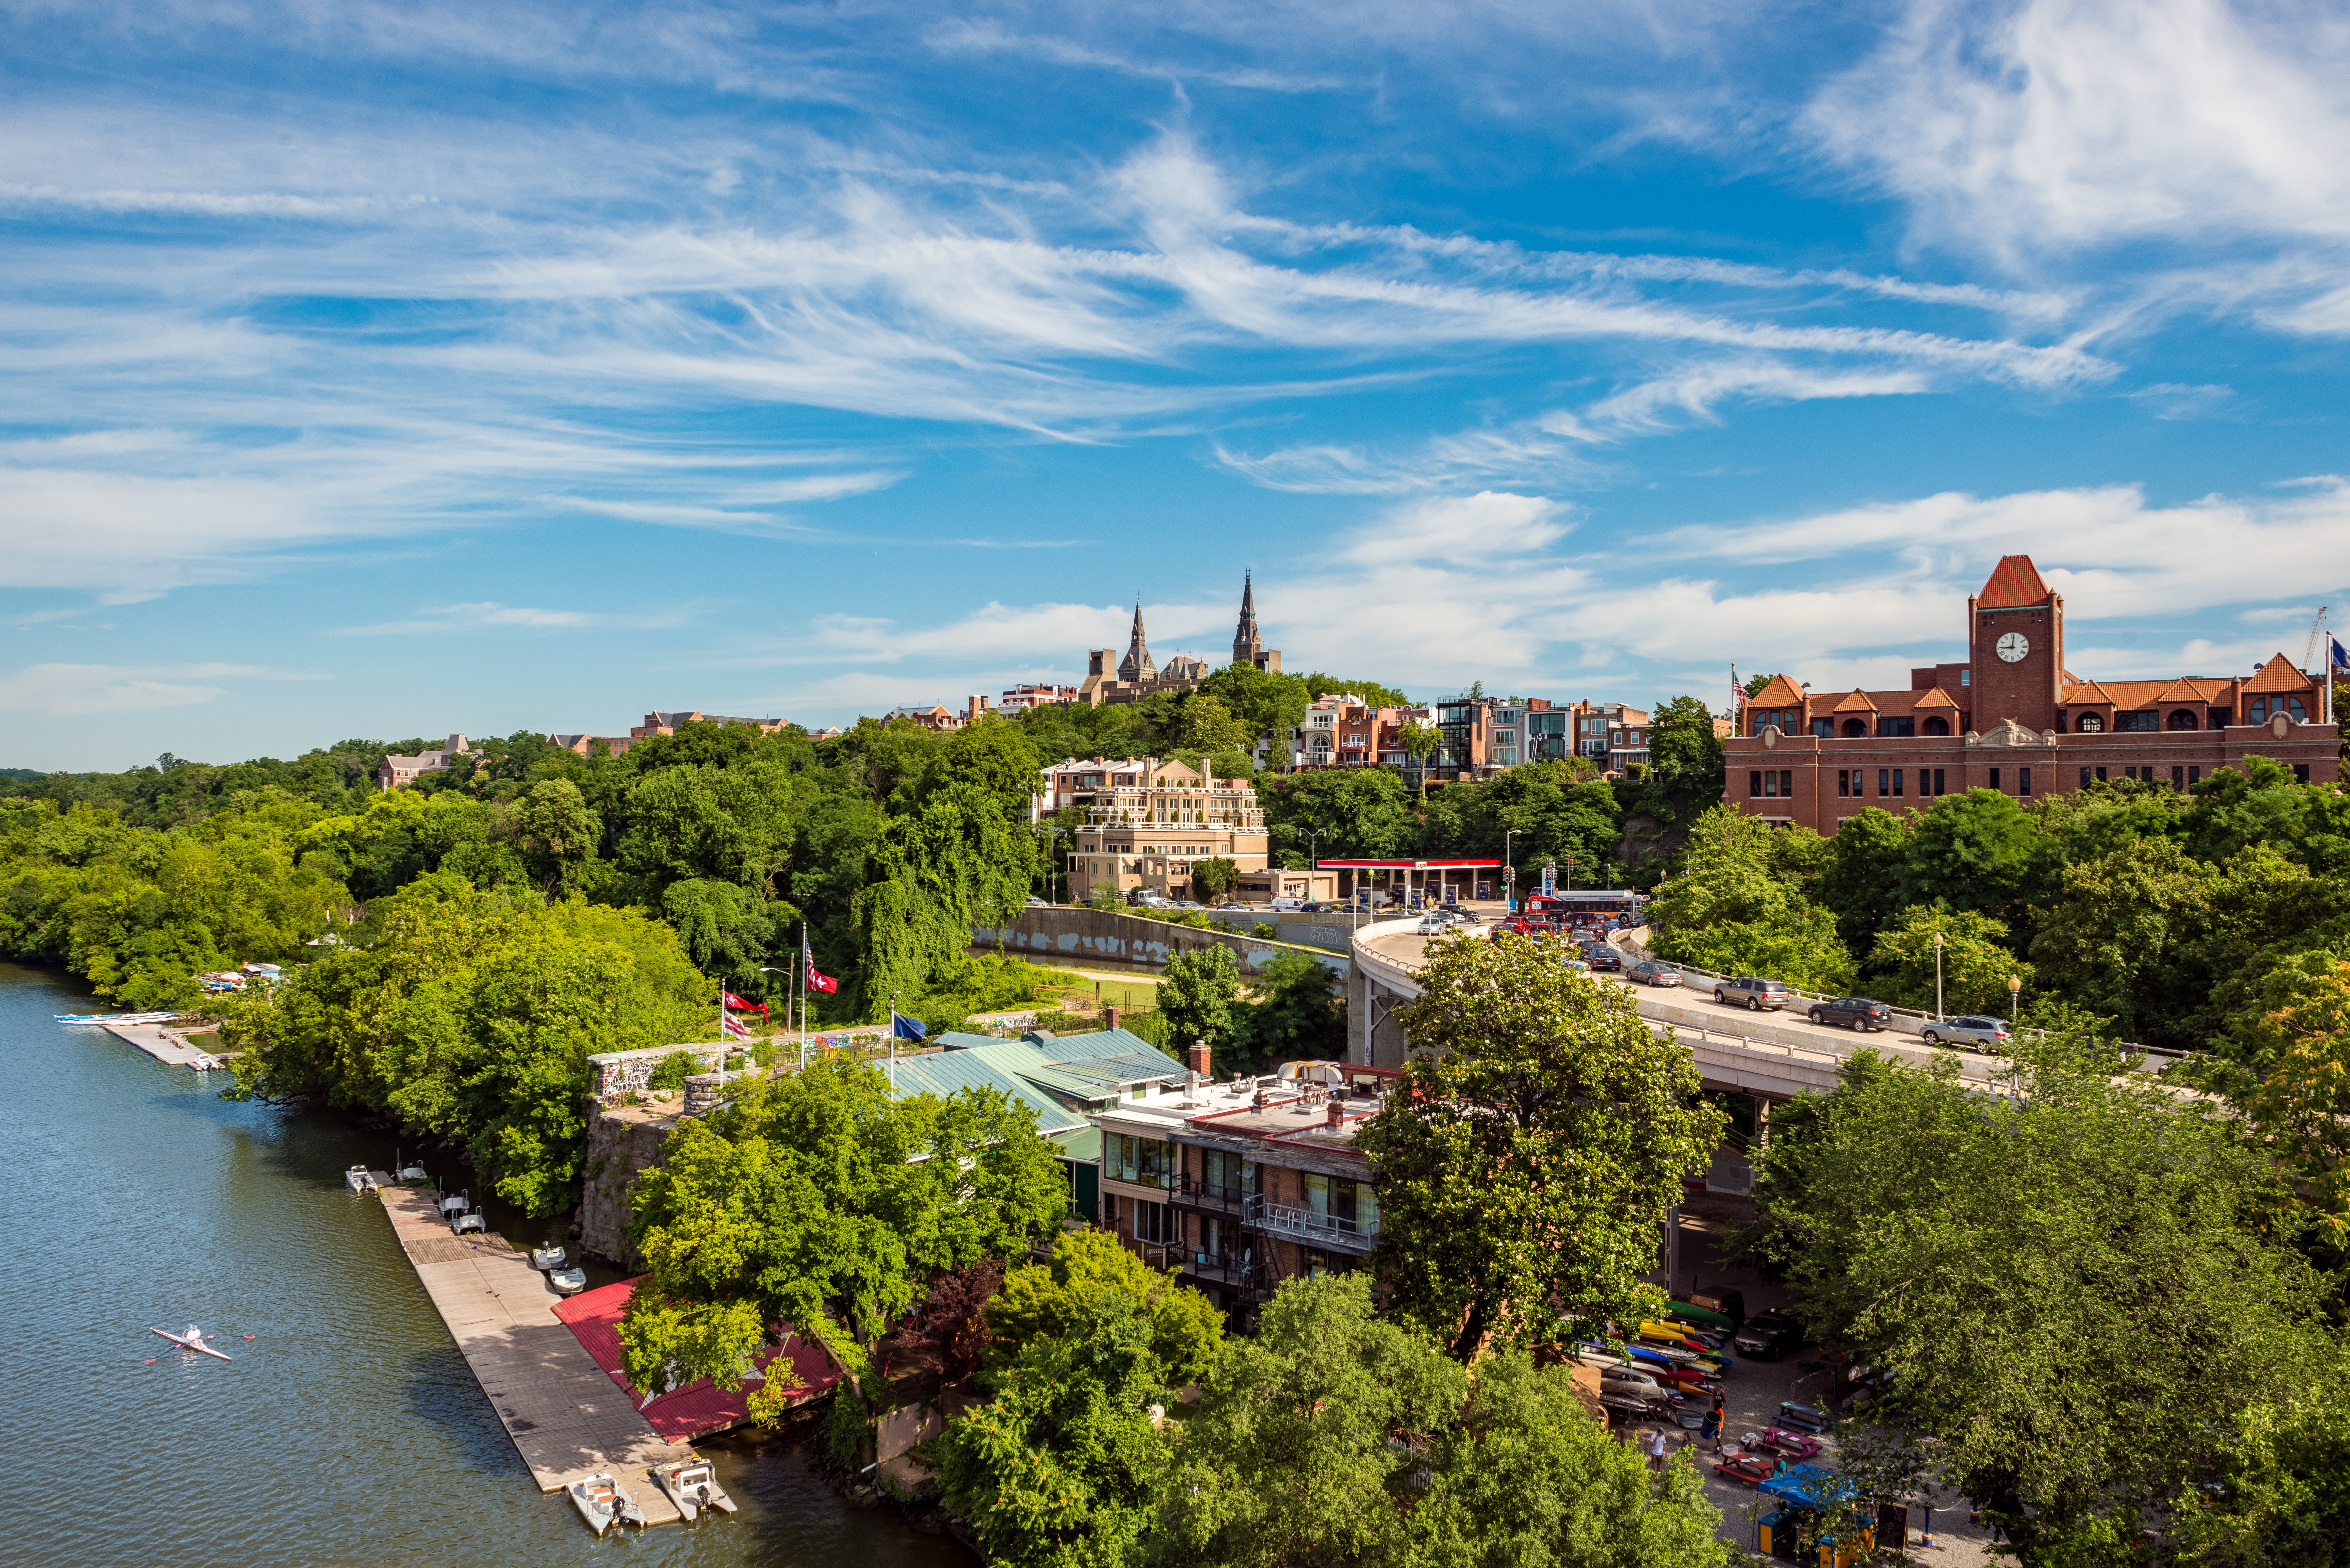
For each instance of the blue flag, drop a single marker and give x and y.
(2341, 654)
(905, 1028)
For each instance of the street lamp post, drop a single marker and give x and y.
(1053, 834)
(1313, 856)
(1938, 977)
(1509, 874)
(2014, 988)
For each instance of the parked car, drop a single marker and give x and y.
(1602, 958)
(1983, 1034)
(1857, 1011)
(1651, 971)
(1037, 903)
(1769, 1336)
(1434, 922)
(1757, 995)
(1291, 904)
(1235, 907)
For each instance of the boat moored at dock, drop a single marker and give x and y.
(551, 1256)
(692, 1484)
(469, 1220)
(603, 1502)
(567, 1282)
(360, 1179)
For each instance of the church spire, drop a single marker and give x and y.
(1245, 643)
(1137, 665)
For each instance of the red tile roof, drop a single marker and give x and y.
(2014, 581)
(1935, 697)
(2277, 675)
(2086, 691)
(1781, 694)
(1857, 702)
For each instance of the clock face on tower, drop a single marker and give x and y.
(2013, 646)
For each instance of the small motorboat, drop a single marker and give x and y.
(405, 1172)
(603, 1502)
(547, 1257)
(468, 1221)
(361, 1178)
(455, 1203)
(567, 1282)
(693, 1485)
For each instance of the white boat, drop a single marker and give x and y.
(411, 1172)
(468, 1221)
(546, 1258)
(455, 1203)
(567, 1282)
(192, 1340)
(693, 1485)
(603, 1502)
(361, 1178)
(115, 1017)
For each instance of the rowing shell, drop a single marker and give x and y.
(192, 1342)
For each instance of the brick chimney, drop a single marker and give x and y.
(1196, 1060)
(1110, 1016)
(1338, 1110)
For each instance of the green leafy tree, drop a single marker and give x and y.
(1209, 726)
(560, 830)
(1294, 1018)
(1990, 1255)
(818, 1200)
(1264, 703)
(1800, 946)
(1062, 1467)
(1860, 884)
(1525, 1475)
(2283, 1492)
(1214, 878)
(1977, 851)
(1420, 743)
(1581, 1122)
(1685, 760)
(1372, 694)
(2301, 1106)
(727, 929)
(2120, 938)
(471, 1015)
(1975, 963)
(1053, 1299)
(1351, 812)
(1291, 1458)
(1197, 992)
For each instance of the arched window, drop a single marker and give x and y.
(2182, 719)
(1856, 726)
(2300, 714)
(1938, 726)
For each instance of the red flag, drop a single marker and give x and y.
(737, 1028)
(816, 981)
(739, 1004)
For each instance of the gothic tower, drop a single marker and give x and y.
(1245, 645)
(1137, 665)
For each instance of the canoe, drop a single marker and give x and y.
(1685, 1313)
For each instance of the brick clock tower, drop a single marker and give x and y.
(2015, 647)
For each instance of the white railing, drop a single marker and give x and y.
(1281, 1218)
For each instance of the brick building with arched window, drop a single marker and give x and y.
(2013, 719)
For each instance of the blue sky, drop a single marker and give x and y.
(385, 370)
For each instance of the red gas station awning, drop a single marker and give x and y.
(1407, 864)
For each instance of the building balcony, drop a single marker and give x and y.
(1193, 1193)
(1305, 1226)
(1251, 1279)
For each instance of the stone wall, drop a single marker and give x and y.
(1076, 934)
(622, 1141)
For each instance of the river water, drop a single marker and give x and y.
(348, 1429)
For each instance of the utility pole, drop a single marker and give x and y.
(1938, 977)
(1509, 874)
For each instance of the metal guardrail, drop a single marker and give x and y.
(1191, 1192)
(1627, 939)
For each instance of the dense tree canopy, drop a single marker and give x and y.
(1580, 1122)
(817, 1199)
(2069, 1290)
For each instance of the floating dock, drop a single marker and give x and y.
(563, 1412)
(155, 1040)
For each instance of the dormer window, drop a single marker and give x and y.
(2090, 724)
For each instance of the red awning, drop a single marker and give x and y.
(1407, 864)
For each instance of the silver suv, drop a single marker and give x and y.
(1756, 995)
(1983, 1034)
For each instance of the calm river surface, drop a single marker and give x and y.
(348, 1429)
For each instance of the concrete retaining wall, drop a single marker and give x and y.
(622, 1142)
(1076, 934)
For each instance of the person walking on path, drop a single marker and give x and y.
(1713, 1420)
(1656, 1450)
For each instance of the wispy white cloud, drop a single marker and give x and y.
(441, 619)
(70, 690)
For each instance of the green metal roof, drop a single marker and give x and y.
(948, 1071)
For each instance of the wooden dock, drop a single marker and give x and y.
(157, 1041)
(566, 1417)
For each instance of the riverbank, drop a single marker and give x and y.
(348, 1429)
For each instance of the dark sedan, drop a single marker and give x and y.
(1854, 1011)
(1769, 1336)
(1602, 958)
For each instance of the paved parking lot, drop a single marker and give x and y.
(1751, 1394)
